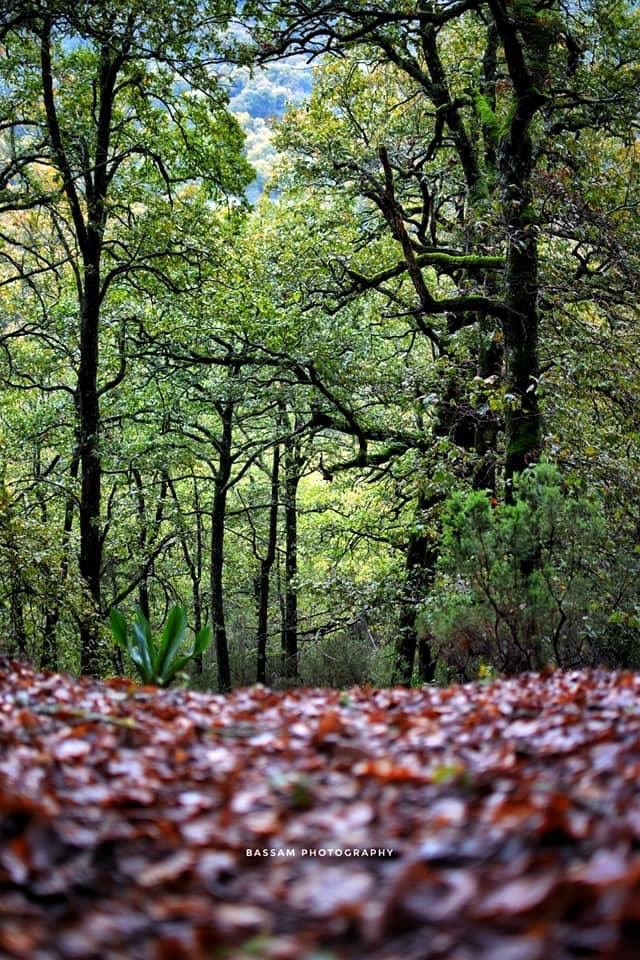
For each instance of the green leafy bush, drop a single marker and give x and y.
(515, 580)
(159, 662)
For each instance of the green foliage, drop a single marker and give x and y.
(516, 579)
(305, 306)
(487, 116)
(160, 662)
(344, 660)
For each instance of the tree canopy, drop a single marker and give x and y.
(377, 424)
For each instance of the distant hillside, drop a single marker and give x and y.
(260, 99)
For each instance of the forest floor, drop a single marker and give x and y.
(497, 820)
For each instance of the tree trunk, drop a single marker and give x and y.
(193, 561)
(17, 618)
(292, 473)
(458, 422)
(195, 571)
(526, 41)
(90, 469)
(220, 491)
(266, 564)
(523, 428)
(143, 589)
(422, 554)
(89, 216)
(49, 653)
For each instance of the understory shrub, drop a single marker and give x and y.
(515, 580)
(341, 660)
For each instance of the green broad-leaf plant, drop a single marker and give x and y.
(162, 661)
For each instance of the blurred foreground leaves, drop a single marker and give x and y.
(511, 808)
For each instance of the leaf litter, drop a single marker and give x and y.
(497, 821)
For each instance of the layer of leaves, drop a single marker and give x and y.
(511, 808)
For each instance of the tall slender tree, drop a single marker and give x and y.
(91, 95)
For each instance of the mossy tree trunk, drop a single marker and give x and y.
(526, 40)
